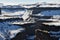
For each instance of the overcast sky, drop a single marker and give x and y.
(11, 2)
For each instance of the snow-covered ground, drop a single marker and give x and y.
(54, 20)
(53, 23)
(4, 17)
(21, 23)
(12, 14)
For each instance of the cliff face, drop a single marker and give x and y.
(29, 32)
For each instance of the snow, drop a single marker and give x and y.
(39, 14)
(27, 14)
(49, 6)
(2, 37)
(8, 31)
(50, 19)
(56, 16)
(12, 14)
(14, 32)
(43, 4)
(29, 6)
(21, 23)
(21, 14)
(52, 23)
(3, 17)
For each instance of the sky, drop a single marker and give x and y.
(12, 2)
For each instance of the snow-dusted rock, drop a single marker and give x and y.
(8, 31)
